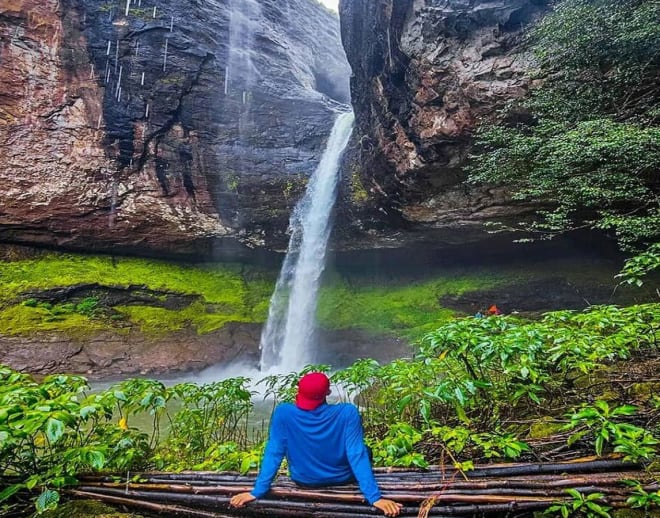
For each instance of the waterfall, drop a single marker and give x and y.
(240, 72)
(286, 341)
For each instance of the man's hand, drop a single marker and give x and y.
(389, 507)
(241, 499)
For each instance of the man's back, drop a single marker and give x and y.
(323, 443)
(317, 441)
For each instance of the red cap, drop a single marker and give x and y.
(312, 390)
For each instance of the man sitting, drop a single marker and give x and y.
(323, 444)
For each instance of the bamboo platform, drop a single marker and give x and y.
(488, 490)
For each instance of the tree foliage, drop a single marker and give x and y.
(585, 146)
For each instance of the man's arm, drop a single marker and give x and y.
(270, 464)
(358, 457)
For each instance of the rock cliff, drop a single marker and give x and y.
(425, 72)
(156, 126)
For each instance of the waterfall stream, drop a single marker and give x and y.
(240, 73)
(287, 338)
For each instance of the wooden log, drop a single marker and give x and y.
(495, 489)
(528, 482)
(587, 464)
(428, 483)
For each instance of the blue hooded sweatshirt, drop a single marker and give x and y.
(323, 446)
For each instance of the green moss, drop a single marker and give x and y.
(21, 319)
(544, 427)
(216, 284)
(359, 194)
(87, 509)
(155, 321)
(645, 391)
(228, 293)
(634, 513)
(410, 310)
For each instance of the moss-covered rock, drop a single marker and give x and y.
(544, 427)
(212, 295)
(87, 509)
(635, 513)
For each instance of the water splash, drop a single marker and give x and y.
(286, 341)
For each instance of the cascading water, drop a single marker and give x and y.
(287, 337)
(240, 74)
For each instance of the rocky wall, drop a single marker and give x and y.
(425, 74)
(162, 127)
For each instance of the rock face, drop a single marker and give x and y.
(109, 355)
(112, 355)
(425, 72)
(182, 128)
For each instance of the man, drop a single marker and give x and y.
(323, 444)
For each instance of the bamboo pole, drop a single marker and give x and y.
(587, 463)
(150, 506)
(404, 493)
(527, 482)
(434, 492)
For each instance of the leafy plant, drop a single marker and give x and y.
(642, 498)
(581, 505)
(50, 431)
(397, 447)
(211, 416)
(599, 421)
(282, 388)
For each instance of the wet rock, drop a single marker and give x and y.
(184, 129)
(109, 296)
(110, 355)
(541, 295)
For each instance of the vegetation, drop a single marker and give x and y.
(220, 294)
(407, 310)
(227, 293)
(585, 146)
(463, 397)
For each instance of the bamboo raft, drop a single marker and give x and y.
(491, 489)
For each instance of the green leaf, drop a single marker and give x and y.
(95, 459)
(246, 464)
(574, 493)
(576, 437)
(625, 410)
(88, 410)
(47, 501)
(599, 444)
(54, 430)
(10, 491)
